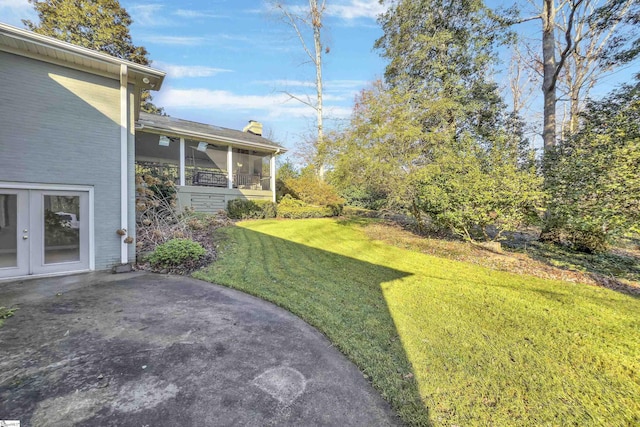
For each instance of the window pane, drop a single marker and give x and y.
(61, 229)
(8, 230)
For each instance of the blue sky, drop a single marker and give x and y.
(229, 61)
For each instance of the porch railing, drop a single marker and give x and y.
(204, 177)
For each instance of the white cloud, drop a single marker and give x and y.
(191, 14)
(275, 104)
(346, 84)
(188, 71)
(355, 9)
(13, 11)
(147, 15)
(172, 40)
(327, 85)
(347, 10)
(286, 83)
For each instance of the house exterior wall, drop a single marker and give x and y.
(211, 199)
(61, 126)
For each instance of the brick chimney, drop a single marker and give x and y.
(253, 127)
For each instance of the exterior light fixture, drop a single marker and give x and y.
(145, 80)
(202, 146)
(164, 141)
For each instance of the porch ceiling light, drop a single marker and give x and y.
(202, 146)
(164, 141)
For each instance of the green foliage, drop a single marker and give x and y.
(5, 313)
(625, 46)
(593, 177)
(101, 25)
(458, 180)
(312, 190)
(251, 209)
(364, 196)
(297, 209)
(444, 56)
(472, 191)
(359, 212)
(285, 171)
(175, 253)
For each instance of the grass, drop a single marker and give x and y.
(447, 342)
(617, 269)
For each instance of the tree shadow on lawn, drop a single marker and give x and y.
(339, 295)
(605, 269)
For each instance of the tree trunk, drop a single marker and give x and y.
(574, 109)
(549, 73)
(316, 16)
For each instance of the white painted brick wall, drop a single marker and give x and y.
(60, 126)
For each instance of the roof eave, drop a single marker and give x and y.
(137, 72)
(210, 138)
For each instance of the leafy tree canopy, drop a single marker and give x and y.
(443, 51)
(457, 182)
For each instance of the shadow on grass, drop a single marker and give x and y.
(604, 268)
(341, 296)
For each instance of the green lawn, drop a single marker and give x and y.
(447, 342)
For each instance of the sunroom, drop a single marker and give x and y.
(210, 165)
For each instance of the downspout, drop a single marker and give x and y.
(124, 175)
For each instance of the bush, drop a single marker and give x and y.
(251, 209)
(359, 212)
(593, 177)
(364, 197)
(175, 253)
(297, 209)
(312, 191)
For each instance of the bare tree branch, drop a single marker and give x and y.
(297, 98)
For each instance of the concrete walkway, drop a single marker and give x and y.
(141, 349)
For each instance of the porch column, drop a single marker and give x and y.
(229, 167)
(272, 167)
(182, 162)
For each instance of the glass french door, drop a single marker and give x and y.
(43, 231)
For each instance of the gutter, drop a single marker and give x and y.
(208, 138)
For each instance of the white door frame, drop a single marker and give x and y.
(58, 187)
(21, 236)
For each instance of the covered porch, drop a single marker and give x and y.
(208, 164)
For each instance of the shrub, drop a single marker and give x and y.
(312, 191)
(297, 209)
(251, 209)
(364, 197)
(359, 212)
(175, 253)
(593, 177)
